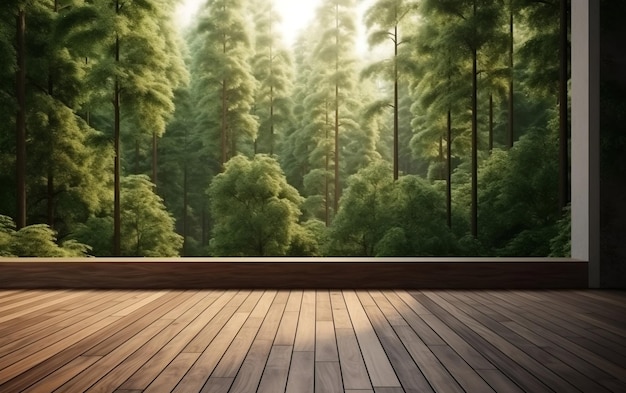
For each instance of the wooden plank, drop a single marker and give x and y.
(328, 377)
(323, 310)
(436, 374)
(23, 336)
(177, 312)
(91, 375)
(15, 367)
(137, 305)
(353, 370)
(425, 333)
(325, 342)
(378, 366)
(251, 371)
(408, 373)
(294, 302)
(47, 362)
(305, 332)
(391, 314)
(173, 373)
(301, 377)
(466, 376)
(584, 360)
(550, 378)
(137, 359)
(276, 371)
(142, 377)
(62, 375)
(24, 306)
(204, 338)
(36, 320)
(142, 317)
(208, 360)
(444, 323)
(217, 385)
(471, 355)
(499, 382)
(287, 328)
(389, 390)
(341, 318)
(233, 358)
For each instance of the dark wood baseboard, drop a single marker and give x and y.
(320, 273)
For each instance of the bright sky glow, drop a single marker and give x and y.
(296, 15)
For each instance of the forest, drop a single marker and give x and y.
(124, 134)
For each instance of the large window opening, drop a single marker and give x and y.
(440, 138)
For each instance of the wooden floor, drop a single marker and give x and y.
(312, 341)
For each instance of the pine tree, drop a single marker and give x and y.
(330, 105)
(224, 83)
(273, 70)
(67, 186)
(470, 25)
(384, 19)
(132, 66)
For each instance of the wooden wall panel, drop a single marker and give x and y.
(195, 273)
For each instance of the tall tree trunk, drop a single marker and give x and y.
(50, 197)
(117, 212)
(155, 155)
(396, 109)
(511, 127)
(272, 82)
(20, 124)
(474, 207)
(564, 188)
(490, 122)
(337, 189)
(223, 138)
(449, 171)
(51, 200)
(137, 154)
(185, 208)
(327, 170)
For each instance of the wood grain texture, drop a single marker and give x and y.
(227, 341)
(312, 273)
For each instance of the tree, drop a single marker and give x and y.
(548, 35)
(364, 215)
(225, 85)
(471, 25)
(330, 104)
(383, 19)
(133, 67)
(70, 185)
(383, 217)
(273, 70)
(147, 227)
(518, 189)
(255, 211)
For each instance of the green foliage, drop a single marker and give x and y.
(223, 83)
(37, 240)
(147, 227)
(272, 67)
(254, 209)
(518, 198)
(561, 244)
(380, 217)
